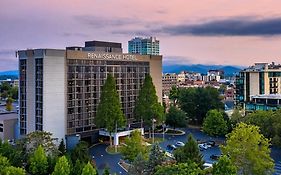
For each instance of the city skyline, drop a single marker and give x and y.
(201, 32)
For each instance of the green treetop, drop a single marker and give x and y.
(89, 170)
(249, 150)
(62, 167)
(109, 113)
(224, 166)
(147, 106)
(214, 124)
(189, 152)
(134, 146)
(38, 162)
(176, 117)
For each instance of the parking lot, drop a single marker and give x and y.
(103, 159)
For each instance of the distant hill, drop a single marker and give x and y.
(11, 72)
(9, 75)
(228, 70)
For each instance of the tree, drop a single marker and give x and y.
(61, 148)
(106, 171)
(176, 117)
(109, 113)
(249, 150)
(189, 168)
(138, 166)
(78, 167)
(133, 146)
(196, 102)
(224, 166)
(13, 153)
(264, 120)
(189, 152)
(174, 94)
(81, 152)
(156, 158)
(236, 117)
(38, 162)
(214, 124)
(36, 138)
(62, 167)
(10, 170)
(89, 170)
(147, 106)
(4, 162)
(9, 104)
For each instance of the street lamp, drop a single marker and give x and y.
(153, 120)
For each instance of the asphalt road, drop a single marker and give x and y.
(104, 159)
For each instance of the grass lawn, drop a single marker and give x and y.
(156, 140)
(111, 149)
(172, 131)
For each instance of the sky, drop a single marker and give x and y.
(224, 32)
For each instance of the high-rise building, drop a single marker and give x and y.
(144, 46)
(261, 80)
(60, 89)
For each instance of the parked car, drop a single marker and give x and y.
(202, 146)
(171, 147)
(207, 165)
(211, 143)
(215, 156)
(179, 144)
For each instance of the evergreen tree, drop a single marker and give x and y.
(89, 170)
(249, 150)
(78, 167)
(176, 117)
(81, 152)
(38, 162)
(214, 124)
(106, 171)
(138, 166)
(62, 167)
(156, 158)
(62, 149)
(224, 166)
(189, 152)
(10, 170)
(109, 113)
(189, 168)
(147, 106)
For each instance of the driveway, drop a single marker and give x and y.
(104, 159)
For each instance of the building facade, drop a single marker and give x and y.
(60, 89)
(144, 46)
(260, 79)
(168, 81)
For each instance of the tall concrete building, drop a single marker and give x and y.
(262, 80)
(60, 89)
(144, 46)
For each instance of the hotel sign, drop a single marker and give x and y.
(108, 56)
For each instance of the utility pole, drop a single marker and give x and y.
(115, 136)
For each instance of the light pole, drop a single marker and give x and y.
(153, 120)
(163, 126)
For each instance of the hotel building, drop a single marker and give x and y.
(60, 89)
(259, 87)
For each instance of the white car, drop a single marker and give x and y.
(202, 146)
(207, 165)
(179, 144)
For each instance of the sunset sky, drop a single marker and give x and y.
(237, 32)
